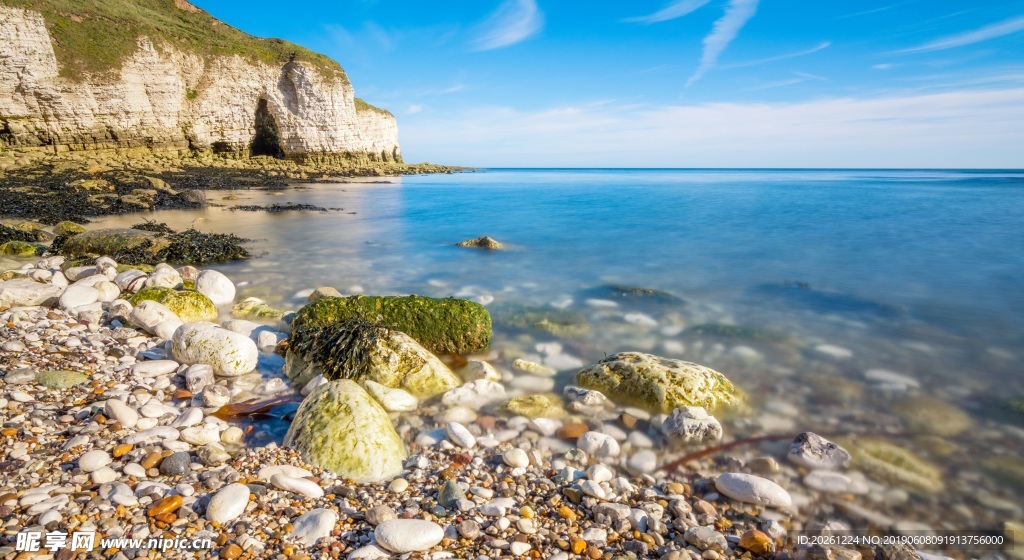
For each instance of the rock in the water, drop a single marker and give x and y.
(545, 405)
(597, 444)
(68, 228)
(475, 394)
(228, 503)
(815, 452)
(112, 242)
(443, 326)
(313, 525)
(753, 490)
(408, 535)
(256, 309)
(22, 292)
(214, 285)
(927, 415)
(189, 306)
(358, 350)
(883, 460)
(229, 353)
(481, 243)
(657, 383)
(691, 425)
(341, 428)
(19, 249)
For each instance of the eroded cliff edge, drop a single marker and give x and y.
(163, 74)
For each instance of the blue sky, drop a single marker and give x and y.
(681, 83)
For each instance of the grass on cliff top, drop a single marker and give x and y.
(97, 36)
(364, 106)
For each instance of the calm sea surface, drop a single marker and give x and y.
(855, 288)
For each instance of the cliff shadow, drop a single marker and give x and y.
(265, 142)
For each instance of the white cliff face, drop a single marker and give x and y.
(164, 98)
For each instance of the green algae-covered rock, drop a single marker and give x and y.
(60, 379)
(189, 306)
(339, 427)
(147, 268)
(555, 321)
(545, 405)
(1005, 469)
(656, 383)
(255, 309)
(361, 351)
(885, 461)
(443, 326)
(68, 228)
(927, 415)
(621, 292)
(19, 249)
(113, 242)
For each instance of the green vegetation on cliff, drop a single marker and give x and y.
(364, 106)
(96, 36)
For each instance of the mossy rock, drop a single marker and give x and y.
(114, 242)
(544, 405)
(555, 321)
(885, 461)
(8, 233)
(76, 262)
(68, 228)
(11, 275)
(740, 332)
(658, 384)
(20, 249)
(255, 309)
(60, 379)
(834, 388)
(482, 243)
(340, 428)
(147, 268)
(1005, 469)
(189, 306)
(360, 351)
(927, 415)
(443, 326)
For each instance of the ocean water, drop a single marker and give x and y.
(855, 289)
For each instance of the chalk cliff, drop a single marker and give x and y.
(165, 75)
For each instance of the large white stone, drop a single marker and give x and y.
(598, 445)
(23, 292)
(215, 286)
(228, 503)
(754, 490)
(164, 276)
(148, 314)
(77, 296)
(408, 535)
(229, 353)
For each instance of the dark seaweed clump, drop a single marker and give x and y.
(11, 234)
(278, 208)
(157, 227)
(342, 351)
(195, 247)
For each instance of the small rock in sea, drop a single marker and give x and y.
(587, 401)
(408, 535)
(216, 286)
(891, 380)
(815, 452)
(481, 243)
(228, 503)
(398, 485)
(474, 394)
(706, 538)
(313, 525)
(93, 460)
(176, 464)
(691, 425)
(754, 490)
(834, 483)
(516, 458)
(597, 444)
(215, 396)
(379, 514)
(321, 293)
(533, 368)
(833, 351)
(477, 369)
(460, 435)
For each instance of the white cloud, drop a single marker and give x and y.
(512, 22)
(986, 33)
(884, 66)
(737, 13)
(964, 128)
(413, 109)
(820, 47)
(674, 10)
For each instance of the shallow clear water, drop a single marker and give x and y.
(916, 272)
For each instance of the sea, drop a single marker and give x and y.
(852, 302)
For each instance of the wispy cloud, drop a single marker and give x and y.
(884, 66)
(960, 128)
(674, 10)
(413, 109)
(985, 33)
(820, 47)
(737, 14)
(512, 22)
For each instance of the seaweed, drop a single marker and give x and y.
(156, 227)
(195, 247)
(11, 234)
(279, 208)
(343, 350)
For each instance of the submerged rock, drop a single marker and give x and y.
(256, 309)
(113, 242)
(443, 326)
(481, 243)
(753, 490)
(361, 351)
(886, 461)
(740, 332)
(656, 383)
(691, 424)
(545, 405)
(931, 416)
(19, 249)
(815, 452)
(341, 428)
(556, 321)
(622, 292)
